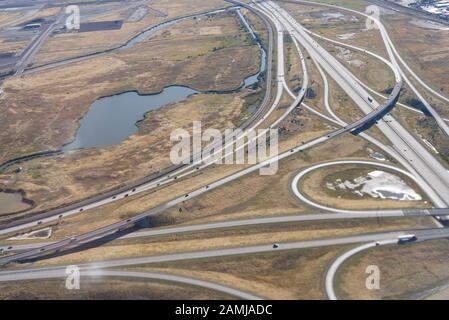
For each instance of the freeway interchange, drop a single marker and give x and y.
(416, 161)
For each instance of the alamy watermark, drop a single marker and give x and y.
(373, 280)
(72, 281)
(234, 147)
(73, 20)
(373, 11)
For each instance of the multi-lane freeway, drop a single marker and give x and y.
(100, 267)
(418, 164)
(35, 45)
(424, 164)
(369, 118)
(170, 174)
(338, 214)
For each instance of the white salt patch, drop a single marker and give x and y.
(378, 184)
(330, 186)
(331, 15)
(356, 63)
(388, 186)
(346, 36)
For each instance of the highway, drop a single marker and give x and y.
(337, 121)
(337, 263)
(128, 43)
(44, 272)
(183, 171)
(324, 216)
(96, 273)
(35, 45)
(60, 213)
(332, 270)
(23, 17)
(168, 175)
(330, 275)
(107, 230)
(388, 63)
(419, 165)
(389, 43)
(403, 142)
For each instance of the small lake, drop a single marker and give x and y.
(11, 203)
(111, 120)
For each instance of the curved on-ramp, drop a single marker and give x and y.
(168, 175)
(332, 271)
(393, 54)
(301, 174)
(98, 273)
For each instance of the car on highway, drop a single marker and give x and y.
(275, 246)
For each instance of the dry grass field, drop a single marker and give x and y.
(211, 53)
(69, 45)
(406, 272)
(338, 25)
(425, 51)
(192, 53)
(104, 289)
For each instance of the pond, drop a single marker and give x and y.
(111, 120)
(12, 202)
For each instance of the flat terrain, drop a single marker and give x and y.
(214, 54)
(206, 54)
(112, 288)
(250, 196)
(68, 45)
(406, 272)
(218, 239)
(337, 24)
(314, 187)
(425, 50)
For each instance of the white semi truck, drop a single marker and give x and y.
(407, 238)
